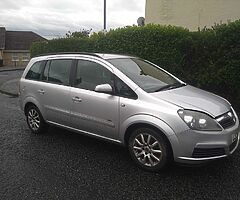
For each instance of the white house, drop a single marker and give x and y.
(192, 14)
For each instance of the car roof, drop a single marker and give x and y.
(105, 56)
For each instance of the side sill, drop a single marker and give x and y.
(84, 132)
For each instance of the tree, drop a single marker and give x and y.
(84, 33)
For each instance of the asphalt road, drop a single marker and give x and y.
(64, 165)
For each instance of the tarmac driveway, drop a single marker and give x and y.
(9, 80)
(63, 165)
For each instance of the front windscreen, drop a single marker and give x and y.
(147, 76)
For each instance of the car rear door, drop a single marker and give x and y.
(54, 91)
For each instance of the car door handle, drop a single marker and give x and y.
(41, 91)
(76, 99)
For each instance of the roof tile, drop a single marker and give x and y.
(21, 40)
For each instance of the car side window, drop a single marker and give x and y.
(123, 90)
(35, 72)
(90, 74)
(58, 71)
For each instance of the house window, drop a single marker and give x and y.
(25, 57)
(15, 57)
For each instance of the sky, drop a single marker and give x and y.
(54, 18)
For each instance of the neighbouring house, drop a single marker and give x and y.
(15, 46)
(192, 14)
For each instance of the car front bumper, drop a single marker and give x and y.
(200, 146)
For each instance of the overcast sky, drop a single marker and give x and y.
(56, 17)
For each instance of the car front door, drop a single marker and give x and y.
(93, 112)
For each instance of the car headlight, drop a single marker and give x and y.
(199, 121)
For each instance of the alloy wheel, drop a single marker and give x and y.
(147, 149)
(33, 119)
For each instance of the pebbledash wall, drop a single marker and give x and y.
(192, 14)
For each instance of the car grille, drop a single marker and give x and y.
(232, 146)
(211, 152)
(227, 120)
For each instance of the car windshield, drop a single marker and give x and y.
(147, 76)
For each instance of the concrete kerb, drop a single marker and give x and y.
(11, 69)
(8, 93)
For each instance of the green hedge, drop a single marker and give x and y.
(209, 59)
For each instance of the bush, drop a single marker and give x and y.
(209, 59)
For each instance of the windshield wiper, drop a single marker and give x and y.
(170, 86)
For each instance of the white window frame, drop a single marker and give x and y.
(25, 57)
(15, 57)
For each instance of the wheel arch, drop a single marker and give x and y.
(135, 126)
(32, 101)
(149, 122)
(27, 105)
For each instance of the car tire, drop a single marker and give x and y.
(35, 120)
(149, 149)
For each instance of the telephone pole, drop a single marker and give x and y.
(105, 15)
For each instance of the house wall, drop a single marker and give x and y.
(16, 58)
(192, 13)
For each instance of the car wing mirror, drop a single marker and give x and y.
(104, 88)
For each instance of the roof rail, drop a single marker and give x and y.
(66, 53)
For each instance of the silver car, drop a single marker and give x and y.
(129, 101)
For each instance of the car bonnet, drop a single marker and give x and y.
(192, 98)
